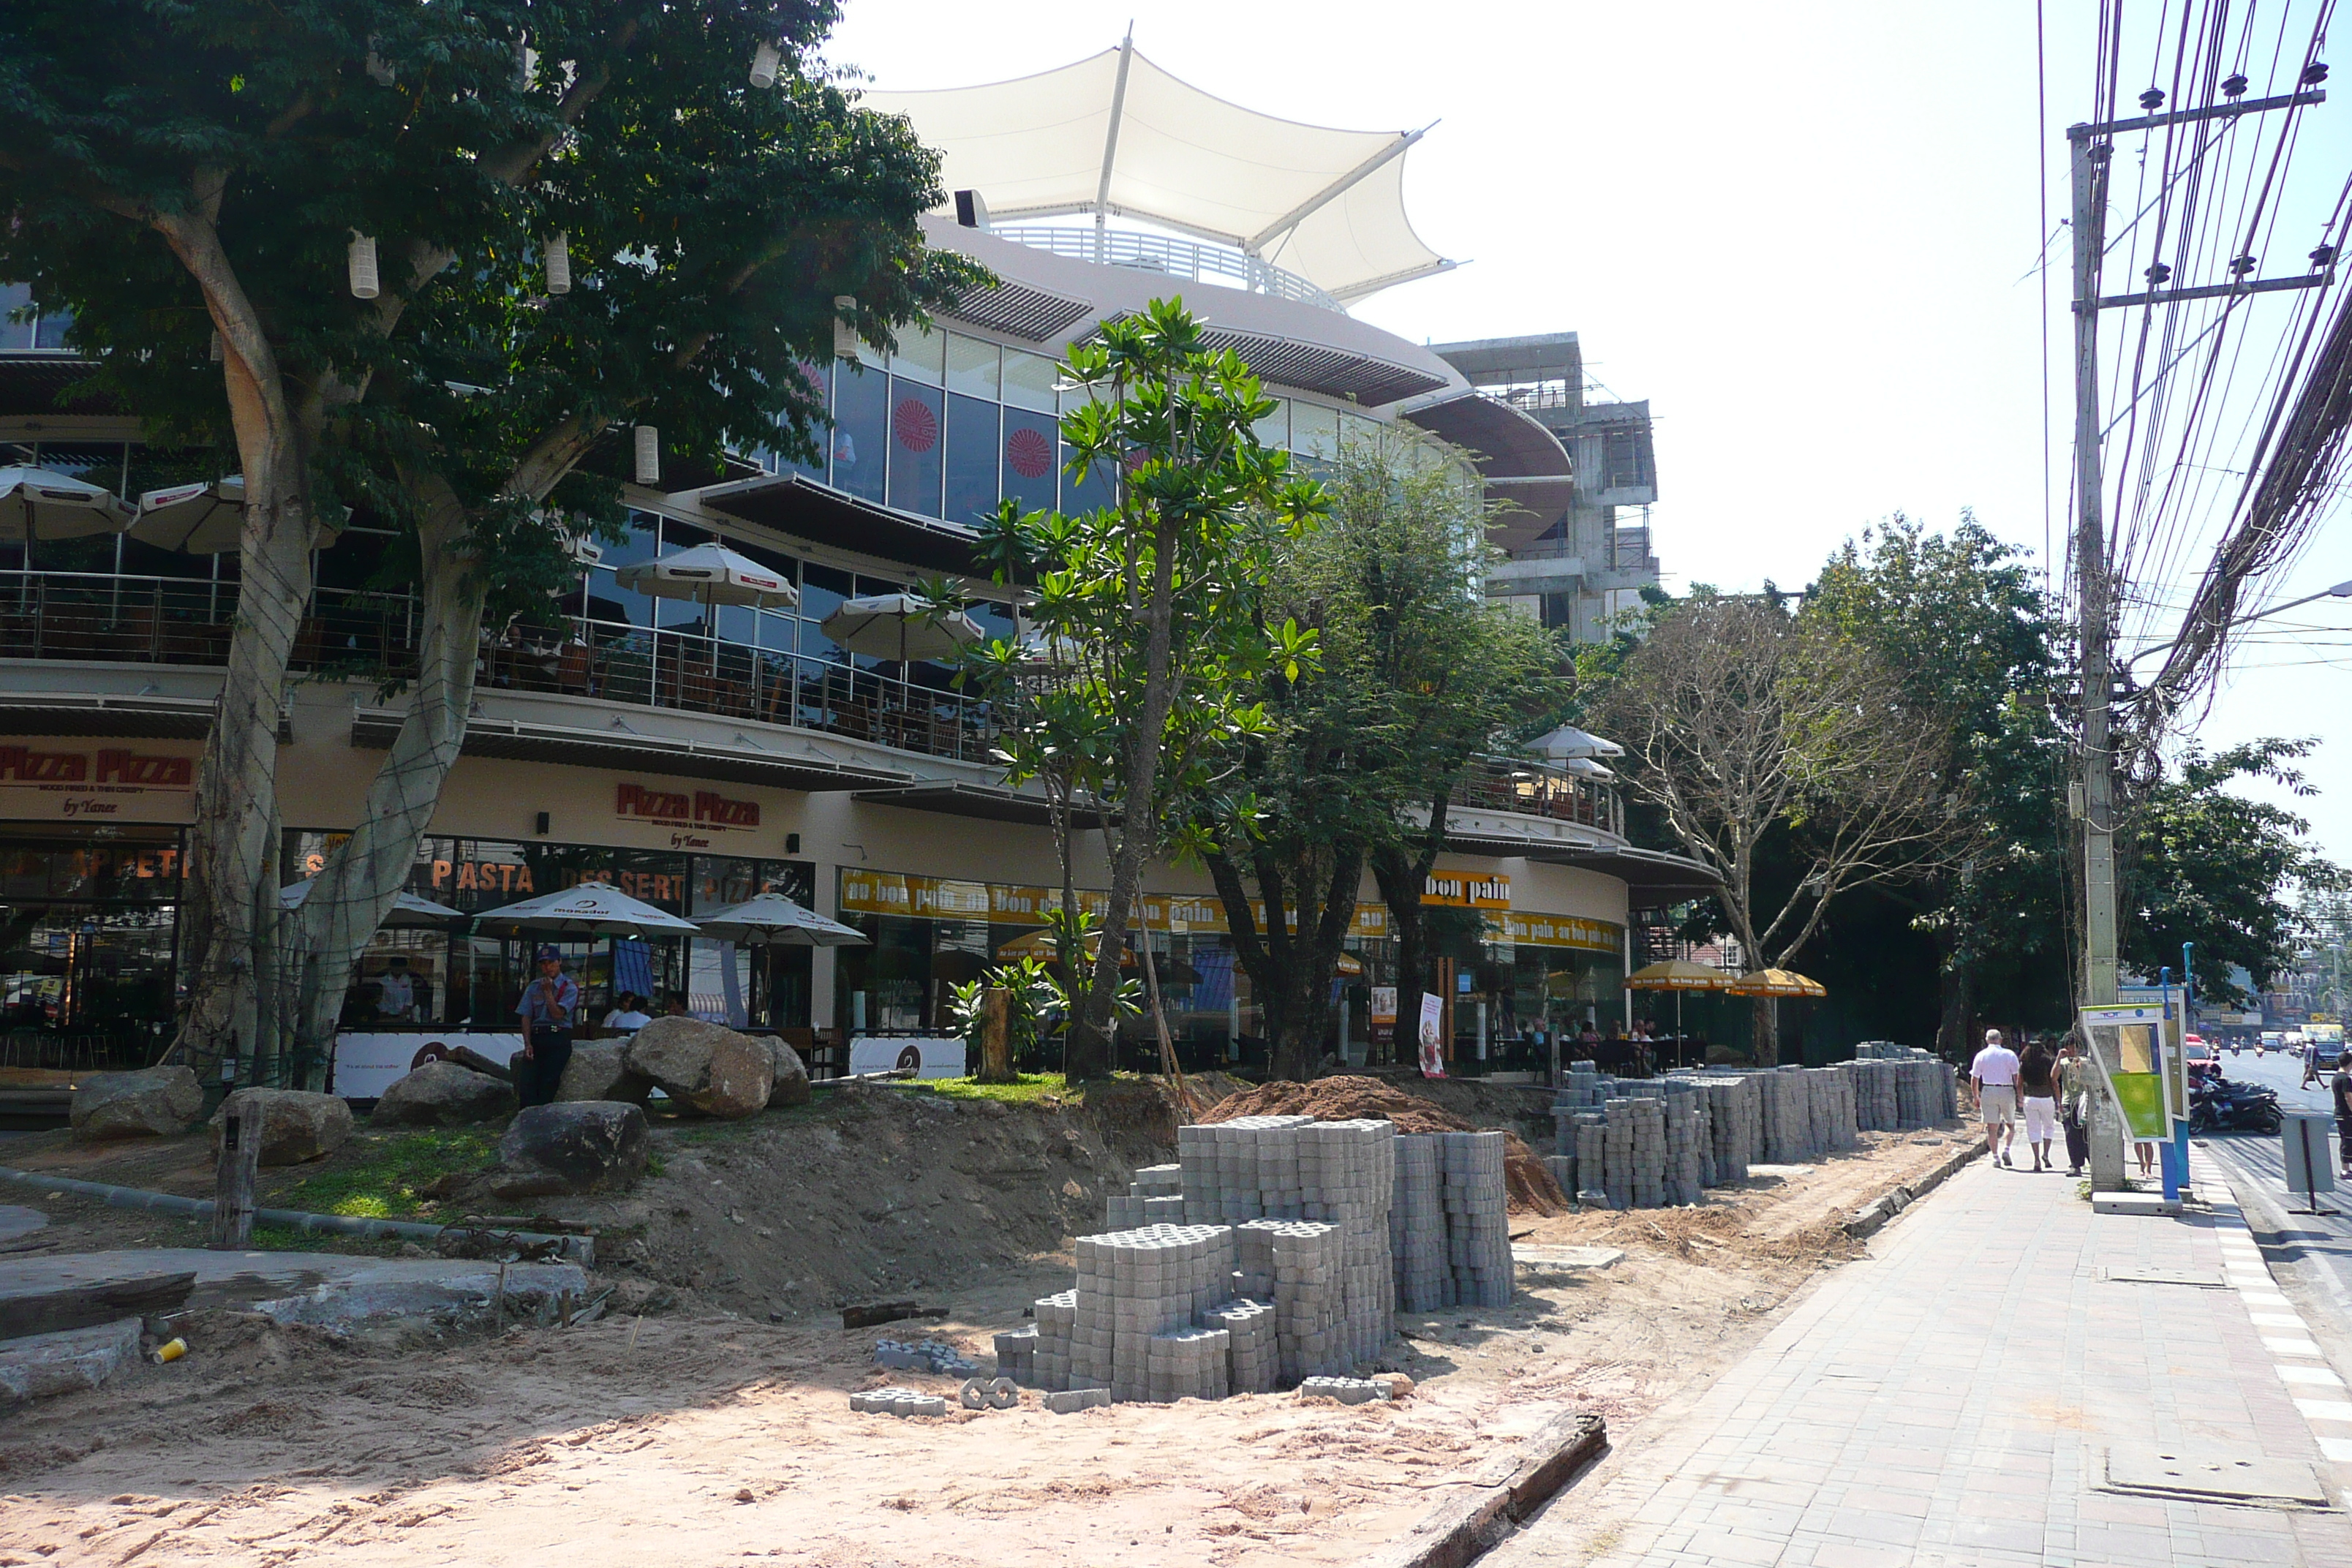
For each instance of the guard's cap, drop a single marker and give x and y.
(547, 951)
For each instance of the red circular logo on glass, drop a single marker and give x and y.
(1030, 453)
(917, 427)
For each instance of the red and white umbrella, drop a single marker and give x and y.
(36, 503)
(710, 574)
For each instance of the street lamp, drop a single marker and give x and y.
(2341, 591)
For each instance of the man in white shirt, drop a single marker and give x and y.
(627, 1017)
(1993, 1075)
(396, 992)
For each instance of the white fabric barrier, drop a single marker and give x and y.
(367, 1065)
(928, 1057)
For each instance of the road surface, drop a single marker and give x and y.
(2311, 1255)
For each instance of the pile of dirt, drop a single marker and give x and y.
(1532, 1189)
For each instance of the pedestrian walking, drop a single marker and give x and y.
(2311, 1064)
(2037, 1079)
(1993, 1075)
(2340, 1087)
(2075, 1087)
(547, 1006)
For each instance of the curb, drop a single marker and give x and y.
(1870, 1220)
(1506, 1491)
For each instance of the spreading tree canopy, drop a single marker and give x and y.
(329, 239)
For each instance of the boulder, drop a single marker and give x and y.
(599, 1069)
(155, 1102)
(442, 1094)
(792, 1083)
(706, 1066)
(570, 1147)
(296, 1125)
(42, 1366)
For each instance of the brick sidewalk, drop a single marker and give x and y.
(1950, 1401)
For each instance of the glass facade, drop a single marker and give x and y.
(950, 424)
(88, 941)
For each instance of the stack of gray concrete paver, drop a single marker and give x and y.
(1346, 1390)
(1058, 1323)
(1424, 1278)
(1155, 1196)
(1253, 1361)
(1240, 1170)
(1135, 1284)
(1187, 1363)
(1301, 1259)
(1563, 1171)
(1477, 1221)
(1016, 1356)
(1347, 1178)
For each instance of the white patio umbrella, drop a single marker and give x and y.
(710, 574)
(900, 627)
(205, 518)
(1569, 742)
(771, 920)
(36, 503)
(591, 908)
(1586, 768)
(407, 908)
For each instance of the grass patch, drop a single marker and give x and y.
(1027, 1089)
(381, 1176)
(285, 1239)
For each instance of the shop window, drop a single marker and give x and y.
(1314, 430)
(1085, 492)
(1274, 430)
(915, 420)
(861, 417)
(971, 458)
(1028, 458)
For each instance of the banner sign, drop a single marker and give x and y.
(103, 784)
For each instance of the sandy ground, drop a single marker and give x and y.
(703, 1437)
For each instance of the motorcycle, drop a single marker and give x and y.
(2220, 1105)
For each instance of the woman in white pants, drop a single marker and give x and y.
(2037, 1077)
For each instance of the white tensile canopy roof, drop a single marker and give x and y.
(1116, 134)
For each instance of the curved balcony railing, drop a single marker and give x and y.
(1533, 789)
(1218, 264)
(166, 620)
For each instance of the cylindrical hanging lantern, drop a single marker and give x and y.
(559, 263)
(845, 332)
(764, 61)
(649, 454)
(362, 265)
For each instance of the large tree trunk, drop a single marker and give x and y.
(1401, 872)
(1088, 1052)
(1290, 965)
(229, 899)
(1957, 984)
(355, 889)
(1764, 1014)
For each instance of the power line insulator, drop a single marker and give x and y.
(2241, 265)
(2159, 274)
(2152, 100)
(2234, 85)
(2322, 256)
(2314, 73)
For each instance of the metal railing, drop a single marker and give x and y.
(1533, 789)
(1218, 264)
(85, 615)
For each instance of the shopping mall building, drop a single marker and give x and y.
(693, 761)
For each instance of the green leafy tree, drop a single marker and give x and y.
(1149, 647)
(2202, 863)
(1971, 640)
(1418, 675)
(181, 175)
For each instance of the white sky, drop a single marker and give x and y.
(1803, 231)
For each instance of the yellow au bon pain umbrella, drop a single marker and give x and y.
(1678, 975)
(1776, 983)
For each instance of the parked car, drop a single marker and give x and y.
(2204, 1062)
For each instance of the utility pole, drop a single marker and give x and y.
(2090, 148)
